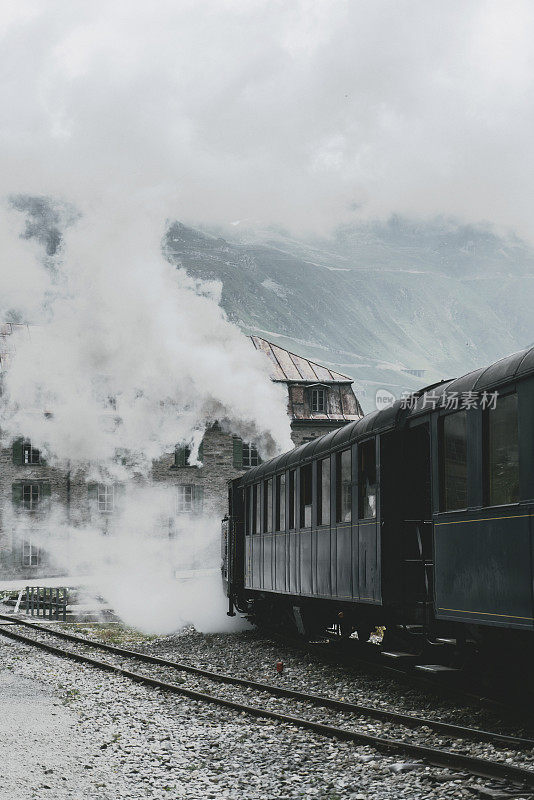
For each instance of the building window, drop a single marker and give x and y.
(281, 502)
(30, 496)
(182, 454)
(453, 457)
(367, 480)
(24, 454)
(318, 400)
(31, 555)
(344, 486)
(189, 498)
(184, 499)
(106, 498)
(30, 455)
(250, 456)
(323, 492)
(305, 496)
(503, 450)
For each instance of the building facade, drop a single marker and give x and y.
(319, 400)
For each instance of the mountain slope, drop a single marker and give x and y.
(377, 301)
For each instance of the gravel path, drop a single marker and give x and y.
(121, 740)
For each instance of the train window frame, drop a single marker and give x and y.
(340, 517)
(323, 498)
(292, 499)
(280, 502)
(442, 421)
(247, 502)
(256, 509)
(490, 500)
(364, 497)
(267, 505)
(305, 493)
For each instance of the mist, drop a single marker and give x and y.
(153, 582)
(305, 114)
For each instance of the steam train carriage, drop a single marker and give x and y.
(418, 514)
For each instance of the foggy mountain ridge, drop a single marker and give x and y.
(377, 299)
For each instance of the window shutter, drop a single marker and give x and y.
(16, 494)
(201, 451)
(92, 493)
(238, 452)
(17, 451)
(198, 499)
(179, 457)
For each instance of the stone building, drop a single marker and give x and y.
(319, 400)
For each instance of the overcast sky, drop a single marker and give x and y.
(304, 114)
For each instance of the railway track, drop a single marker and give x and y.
(368, 657)
(495, 768)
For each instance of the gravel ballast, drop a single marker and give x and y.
(128, 741)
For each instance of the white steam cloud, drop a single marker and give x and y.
(126, 355)
(122, 327)
(129, 356)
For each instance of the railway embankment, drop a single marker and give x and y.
(132, 741)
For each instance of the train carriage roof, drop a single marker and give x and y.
(502, 371)
(517, 365)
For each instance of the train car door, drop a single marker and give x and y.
(369, 530)
(407, 564)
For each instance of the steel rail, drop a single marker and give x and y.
(470, 764)
(409, 720)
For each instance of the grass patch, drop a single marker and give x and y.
(109, 633)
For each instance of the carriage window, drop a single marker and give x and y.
(367, 480)
(344, 486)
(453, 454)
(281, 502)
(268, 505)
(292, 500)
(503, 451)
(256, 509)
(248, 510)
(323, 492)
(305, 496)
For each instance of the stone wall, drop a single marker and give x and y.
(301, 432)
(70, 493)
(212, 477)
(15, 526)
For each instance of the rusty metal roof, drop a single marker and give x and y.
(289, 367)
